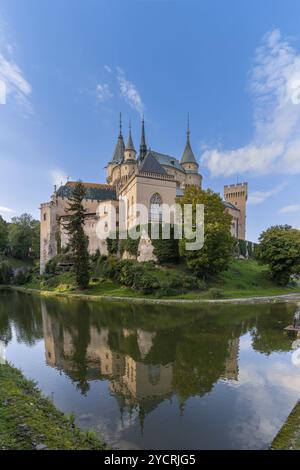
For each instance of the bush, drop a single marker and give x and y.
(65, 258)
(130, 245)
(216, 293)
(6, 273)
(22, 276)
(146, 283)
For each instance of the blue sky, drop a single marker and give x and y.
(70, 66)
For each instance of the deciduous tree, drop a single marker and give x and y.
(217, 251)
(279, 248)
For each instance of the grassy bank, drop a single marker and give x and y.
(30, 421)
(288, 437)
(244, 279)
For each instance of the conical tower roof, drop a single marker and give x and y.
(130, 144)
(188, 154)
(118, 154)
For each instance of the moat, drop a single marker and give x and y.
(158, 377)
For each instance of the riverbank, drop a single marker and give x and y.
(30, 421)
(288, 437)
(294, 298)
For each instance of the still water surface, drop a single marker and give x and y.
(158, 377)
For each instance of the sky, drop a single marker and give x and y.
(67, 68)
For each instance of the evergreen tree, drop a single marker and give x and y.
(77, 240)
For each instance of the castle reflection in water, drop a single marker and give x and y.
(133, 382)
(146, 353)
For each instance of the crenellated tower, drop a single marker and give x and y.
(237, 195)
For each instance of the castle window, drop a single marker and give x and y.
(155, 208)
(45, 216)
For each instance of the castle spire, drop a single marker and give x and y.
(120, 132)
(130, 144)
(188, 154)
(118, 154)
(143, 146)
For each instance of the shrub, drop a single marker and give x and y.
(130, 245)
(216, 293)
(145, 282)
(22, 276)
(6, 273)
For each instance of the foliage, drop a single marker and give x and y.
(113, 243)
(216, 293)
(3, 234)
(217, 251)
(129, 273)
(130, 245)
(24, 237)
(65, 257)
(22, 276)
(6, 272)
(279, 248)
(78, 240)
(166, 250)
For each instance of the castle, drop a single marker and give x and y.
(150, 178)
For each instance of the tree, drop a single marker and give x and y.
(24, 236)
(217, 251)
(3, 235)
(6, 272)
(77, 239)
(279, 248)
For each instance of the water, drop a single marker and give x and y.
(158, 377)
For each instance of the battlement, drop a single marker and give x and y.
(237, 185)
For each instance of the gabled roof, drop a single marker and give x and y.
(94, 191)
(151, 165)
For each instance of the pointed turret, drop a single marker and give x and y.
(143, 146)
(118, 154)
(130, 151)
(188, 156)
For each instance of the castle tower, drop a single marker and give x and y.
(189, 162)
(113, 172)
(130, 151)
(237, 195)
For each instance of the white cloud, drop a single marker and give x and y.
(258, 197)
(275, 87)
(107, 68)
(58, 177)
(12, 76)
(129, 92)
(103, 92)
(5, 210)
(290, 209)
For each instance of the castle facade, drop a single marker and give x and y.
(149, 178)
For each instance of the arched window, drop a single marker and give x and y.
(155, 208)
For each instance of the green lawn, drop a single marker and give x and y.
(248, 278)
(244, 278)
(30, 421)
(288, 437)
